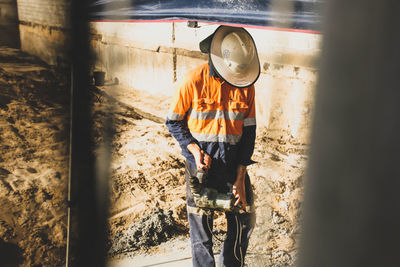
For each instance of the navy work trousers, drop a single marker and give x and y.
(239, 229)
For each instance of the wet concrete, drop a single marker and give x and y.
(156, 227)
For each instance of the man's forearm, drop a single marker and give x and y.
(241, 173)
(203, 160)
(239, 187)
(193, 148)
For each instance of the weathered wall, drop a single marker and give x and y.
(44, 26)
(154, 56)
(9, 23)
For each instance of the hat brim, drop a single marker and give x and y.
(205, 44)
(249, 75)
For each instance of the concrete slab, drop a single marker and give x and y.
(154, 260)
(174, 253)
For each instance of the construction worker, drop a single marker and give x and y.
(212, 116)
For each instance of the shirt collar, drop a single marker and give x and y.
(213, 73)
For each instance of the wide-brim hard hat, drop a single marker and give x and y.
(234, 56)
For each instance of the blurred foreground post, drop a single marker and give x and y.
(9, 24)
(85, 188)
(352, 202)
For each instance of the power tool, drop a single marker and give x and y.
(210, 198)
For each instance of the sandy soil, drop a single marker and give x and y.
(147, 168)
(33, 161)
(148, 173)
(147, 191)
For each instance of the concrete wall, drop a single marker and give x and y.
(44, 26)
(9, 23)
(154, 56)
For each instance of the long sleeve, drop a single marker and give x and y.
(246, 143)
(176, 122)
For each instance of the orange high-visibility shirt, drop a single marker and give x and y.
(214, 114)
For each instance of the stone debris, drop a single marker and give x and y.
(153, 229)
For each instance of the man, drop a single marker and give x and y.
(212, 116)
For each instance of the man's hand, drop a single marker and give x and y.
(203, 160)
(239, 187)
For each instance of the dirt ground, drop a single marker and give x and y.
(147, 191)
(33, 161)
(148, 174)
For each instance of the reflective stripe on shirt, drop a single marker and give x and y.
(216, 114)
(249, 122)
(175, 116)
(224, 138)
